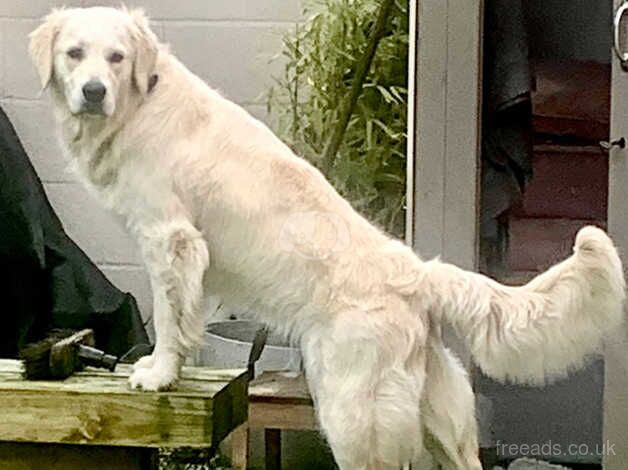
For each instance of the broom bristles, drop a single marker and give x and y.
(36, 356)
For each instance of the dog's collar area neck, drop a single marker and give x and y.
(152, 81)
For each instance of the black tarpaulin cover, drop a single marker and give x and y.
(46, 281)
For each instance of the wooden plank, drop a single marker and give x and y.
(270, 415)
(26, 456)
(230, 408)
(560, 149)
(240, 447)
(431, 123)
(272, 445)
(571, 99)
(280, 387)
(616, 350)
(13, 369)
(98, 408)
(567, 182)
(463, 111)
(538, 243)
(412, 124)
(447, 107)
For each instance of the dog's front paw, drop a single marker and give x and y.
(145, 362)
(153, 379)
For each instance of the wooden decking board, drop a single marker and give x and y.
(97, 407)
(280, 387)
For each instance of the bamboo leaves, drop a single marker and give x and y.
(307, 102)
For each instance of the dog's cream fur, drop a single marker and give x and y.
(221, 207)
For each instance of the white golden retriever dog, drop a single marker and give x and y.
(220, 206)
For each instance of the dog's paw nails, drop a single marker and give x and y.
(145, 362)
(152, 380)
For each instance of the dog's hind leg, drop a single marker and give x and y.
(367, 433)
(374, 429)
(447, 409)
(368, 396)
(176, 258)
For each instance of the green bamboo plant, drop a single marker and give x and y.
(306, 102)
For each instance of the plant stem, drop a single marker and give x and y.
(362, 66)
(295, 95)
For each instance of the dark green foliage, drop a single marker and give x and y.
(191, 459)
(370, 166)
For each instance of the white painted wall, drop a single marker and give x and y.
(229, 43)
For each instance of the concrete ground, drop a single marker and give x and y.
(531, 464)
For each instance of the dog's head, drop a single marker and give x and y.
(95, 57)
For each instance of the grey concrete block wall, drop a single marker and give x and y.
(228, 43)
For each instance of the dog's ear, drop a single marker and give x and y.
(41, 46)
(145, 51)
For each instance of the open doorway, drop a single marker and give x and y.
(545, 175)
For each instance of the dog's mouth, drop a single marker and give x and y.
(92, 109)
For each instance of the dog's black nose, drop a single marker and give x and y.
(94, 91)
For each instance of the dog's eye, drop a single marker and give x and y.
(116, 58)
(75, 53)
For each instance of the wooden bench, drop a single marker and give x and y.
(93, 420)
(277, 401)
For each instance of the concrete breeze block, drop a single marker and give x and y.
(34, 124)
(20, 79)
(134, 280)
(235, 59)
(95, 230)
(223, 10)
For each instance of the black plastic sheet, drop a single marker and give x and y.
(46, 280)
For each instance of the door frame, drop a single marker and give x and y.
(616, 350)
(444, 129)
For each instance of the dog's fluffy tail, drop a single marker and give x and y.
(544, 329)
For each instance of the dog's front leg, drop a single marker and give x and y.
(176, 258)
